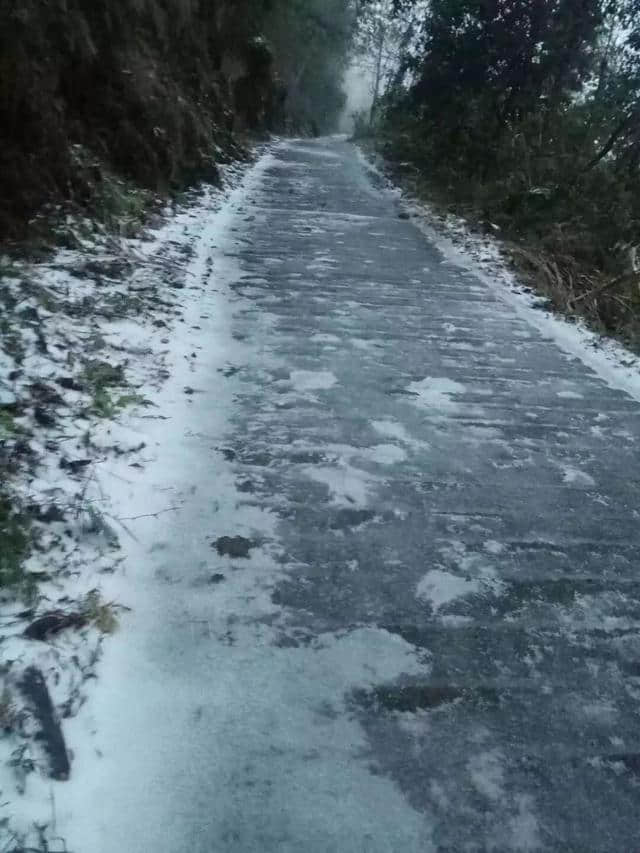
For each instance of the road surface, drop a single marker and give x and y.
(434, 641)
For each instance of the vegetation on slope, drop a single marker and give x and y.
(153, 90)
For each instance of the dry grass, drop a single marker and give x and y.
(609, 303)
(100, 613)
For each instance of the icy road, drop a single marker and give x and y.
(389, 600)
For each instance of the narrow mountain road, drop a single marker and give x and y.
(434, 641)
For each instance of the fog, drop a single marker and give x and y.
(358, 86)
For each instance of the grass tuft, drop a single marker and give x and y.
(100, 613)
(14, 545)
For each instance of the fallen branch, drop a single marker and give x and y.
(607, 285)
(150, 514)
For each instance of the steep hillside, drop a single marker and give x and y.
(150, 90)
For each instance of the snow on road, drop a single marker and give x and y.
(379, 575)
(192, 687)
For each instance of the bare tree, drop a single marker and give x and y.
(379, 45)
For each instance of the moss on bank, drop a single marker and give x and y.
(15, 543)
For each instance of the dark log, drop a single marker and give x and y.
(34, 688)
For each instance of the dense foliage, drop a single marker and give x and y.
(528, 112)
(154, 89)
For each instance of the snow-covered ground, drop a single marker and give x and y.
(112, 338)
(132, 456)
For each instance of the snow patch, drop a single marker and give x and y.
(308, 380)
(348, 486)
(487, 774)
(7, 397)
(570, 395)
(435, 393)
(576, 477)
(524, 828)
(386, 454)
(493, 547)
(393, 429)
(440, 588)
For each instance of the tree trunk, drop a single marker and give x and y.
(378, 74)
